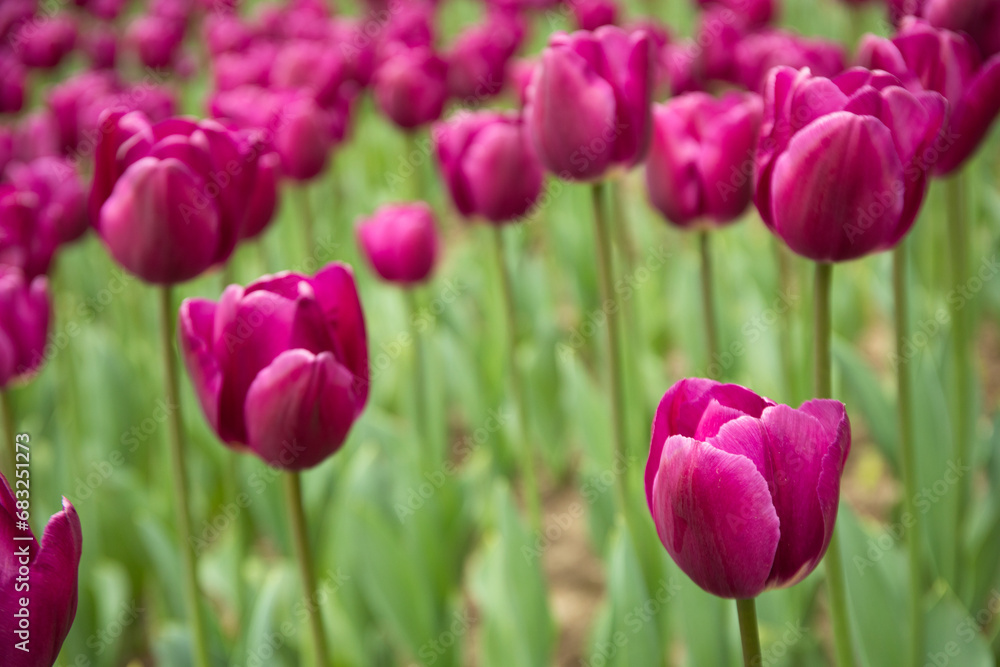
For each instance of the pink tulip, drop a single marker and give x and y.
(400, 242)
(24, 325)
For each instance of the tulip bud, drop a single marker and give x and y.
(489, 165)
(280, 367)
(758, 53)
(44, 43)
(606, 77)
(156, 39)
(250, 67)
(24, 324)
(592, 14)
(700, 166)
(302, 136)
(12, 82)
(400, 242)
(744, 492)
(101, 46)
(411, 87)
(956, 71)
(309, 65)
(25, 241)
(61, 203)
(839, 169)
(49, 606)
(478, 60)
(225, 33)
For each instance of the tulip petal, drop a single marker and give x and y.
(500, 156)
(807, 455)
(576, 146)
(972, 117)
(838, 188)
(194, 328)
(338, 297)
(299, 409)
(714, 515)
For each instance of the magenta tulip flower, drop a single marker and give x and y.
(281, 366)
(752, 13)
(36, 136)
(744, 492)
(477, 62)
(12, 83)
(592, 14)
(264, 195)
(411, 86)
(226, 33)
(39, 582)
(927, 58)
(101, 46)
(312, 66)
(241, 68)
(400, 242)
(25, 241)
(700, 166)
(839, 169)
(44, 43)
(756, 54)
(980, 19)
(606, 77)
(59, 189)
(24, 324)
(178, 196)
(156, 39)
(489, 165)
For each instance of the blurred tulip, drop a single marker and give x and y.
(25, 242)
(225, 33)
(744, 492)
(592, 14)
(700, 166)
(179, 196)
(400, 242)
(12, 82)
(927, 58)
(264, 196)
(37, 135)
(357, 48)
(13, 15)
(757, 54)
(281, 366)
(606, 77)
(477, 62)
(840, 172)
(520, 72)
(980, 19)
(44, 41)
(752, 13)
(311, 66)
(489, 165)
(155, 39)
(106, 10)
(251, 67)
(61, 203)
(101, 46)
(53, 570)
(714, 48)
(410, 25)
(24, 326)
(411, 87)
(6, 148)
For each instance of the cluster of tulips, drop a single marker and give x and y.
(836, 148)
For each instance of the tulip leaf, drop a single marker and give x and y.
(865, 397)
(515, 622)
(628, 632)
(953, 636)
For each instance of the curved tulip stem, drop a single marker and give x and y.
(958, 242)
(605, 268)
(907, 452)
(531, 491)
(707, 298)
(749, 635)
(420, 388)
(824, 389)
(189, 571)
(9, 435)
(297, 517)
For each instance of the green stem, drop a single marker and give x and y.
(824, 389)
(189, 571)
(531, 491)
(420, 387)
(958, 242)
(9, 435)
(293, 497)
(907, 452)
(605, 268)
(308, 220)
(413, 149)
(707, 300)
(785, 286)
(749, 635)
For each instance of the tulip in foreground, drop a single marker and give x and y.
(38, 583)
(400, 242)
(839, 170)
(743, 491)
(280, 366)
